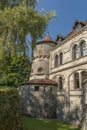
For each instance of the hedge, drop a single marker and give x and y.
(10, 114)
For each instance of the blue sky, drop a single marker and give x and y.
(67, 12)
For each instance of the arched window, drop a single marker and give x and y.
(83, 48)
(84, 75)
(56, 61)
(75, 52)
(76, 80)
(61, 58)
(60, 83)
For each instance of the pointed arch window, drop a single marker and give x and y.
(83, 48)
(61, 58)
(75, 52)
(56, 61)
(76, 80)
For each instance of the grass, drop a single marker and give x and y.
(45, 124)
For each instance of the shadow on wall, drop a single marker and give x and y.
(65, 111)
(42, 105)
(84, 105)
(48, 105)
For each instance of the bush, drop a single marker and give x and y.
(10, 114)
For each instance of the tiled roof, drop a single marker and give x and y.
(85, 22)
(41, 81)
(70, 33)
(47, 38)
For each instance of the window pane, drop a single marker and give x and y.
(83, 49)
(56, 61)
(61, 58)
(76, 80)
(75, 52)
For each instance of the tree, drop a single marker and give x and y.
(15, 70)
(17, 19)
(11, 3)
(20, 20)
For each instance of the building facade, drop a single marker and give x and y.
(58, 74)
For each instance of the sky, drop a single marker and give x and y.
(67, 12)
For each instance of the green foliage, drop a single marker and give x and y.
(11, 3)
(10, 114)
(15, 70)
(46, 124)
(17, 19)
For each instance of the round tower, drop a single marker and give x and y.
(38, 95)
(41, 55)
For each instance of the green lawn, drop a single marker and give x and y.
(45, 124)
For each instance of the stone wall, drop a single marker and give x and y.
(69, 98)
(40, 103)
(68, 103)
(40, 62)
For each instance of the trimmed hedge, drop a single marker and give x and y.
(10, 114)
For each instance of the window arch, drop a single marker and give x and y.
(76, 80)
(75, 52)
(61, 58)
(83, 48)
(56, 61)
(60, 83)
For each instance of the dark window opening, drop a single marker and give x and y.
(56, 61)
(40, 69)
(50, 89)
(76, 80)
(36, 88)
(61, 58)
(60, 83)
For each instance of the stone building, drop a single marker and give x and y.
(56, 87)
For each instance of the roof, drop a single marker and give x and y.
(47, 38)
(41, 81)
(84, 23)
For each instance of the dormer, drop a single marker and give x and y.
(59, 39)
(78, 25)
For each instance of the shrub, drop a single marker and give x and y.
(10, 114)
